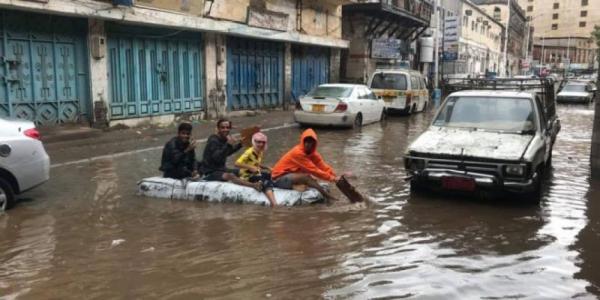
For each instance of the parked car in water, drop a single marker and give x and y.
(577, 92)
(487, 140)
(402, 90)
(24, 163)
(347, 105)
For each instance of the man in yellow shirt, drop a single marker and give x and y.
(252, 169)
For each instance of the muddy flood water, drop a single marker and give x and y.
(86, 235)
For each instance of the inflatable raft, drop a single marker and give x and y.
(224, 192)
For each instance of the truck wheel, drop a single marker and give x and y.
(535, 196)
(7, 195)
(416, 187)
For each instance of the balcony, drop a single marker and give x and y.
(400, 19)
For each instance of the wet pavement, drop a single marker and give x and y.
(85, 234)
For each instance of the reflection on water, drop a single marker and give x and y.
(432, 246)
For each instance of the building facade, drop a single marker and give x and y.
(470, 39)
(124, 61)
(382, 33)
(518, 31)
(562, 35)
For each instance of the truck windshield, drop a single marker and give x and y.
(488, 113)
(389, 81)
(574, 88)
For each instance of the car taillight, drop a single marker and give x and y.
(32, 133)
(298, 105)
(341, 107)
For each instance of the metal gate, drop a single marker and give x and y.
(310, 67)
(43, 68)
(153, 74)
(254, 74)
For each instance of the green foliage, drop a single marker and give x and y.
(596, 34)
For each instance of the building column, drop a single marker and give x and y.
(334, 64)
(98, 73)
(287, 76)
(215, 73)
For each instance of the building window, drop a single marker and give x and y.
(497, 13)
(581, 24)
(555, 6)
(554, 16)
(584, 13)
(584, 2)
(530, 8)
(554, 26)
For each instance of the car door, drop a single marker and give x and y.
(375, 105)
(545, 128)
(414, 90)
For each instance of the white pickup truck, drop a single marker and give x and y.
(486, 140)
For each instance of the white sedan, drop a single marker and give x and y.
(24, 163)
(350, 105)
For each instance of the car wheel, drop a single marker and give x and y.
(357, 121)
(7, 195)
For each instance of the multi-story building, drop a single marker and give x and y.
(470, 39)
(518, 30)
(562, 37)
(126, 61)
(382, 33)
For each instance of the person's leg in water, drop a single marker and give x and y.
(230, 177)
(299, 178)
(265, 179)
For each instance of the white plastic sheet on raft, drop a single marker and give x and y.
(214, 191)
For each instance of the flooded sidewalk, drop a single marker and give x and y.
(85, 234)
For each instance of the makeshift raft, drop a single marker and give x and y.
(223, 192)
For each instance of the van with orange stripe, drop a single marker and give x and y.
(403, 91)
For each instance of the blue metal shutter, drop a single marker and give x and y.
(254, 74)
(44, 68)
(310, 67)
(152, 72)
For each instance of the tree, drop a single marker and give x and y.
(595, 154)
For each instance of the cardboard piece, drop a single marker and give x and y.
(349, 191)
(246, 135)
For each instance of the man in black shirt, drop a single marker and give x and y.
(178, 157)
(218, 147)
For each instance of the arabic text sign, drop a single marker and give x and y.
(386, 48)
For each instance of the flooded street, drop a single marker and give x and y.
(85, 234)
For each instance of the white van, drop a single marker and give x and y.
(402, 90)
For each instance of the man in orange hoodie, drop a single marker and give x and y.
(301, 164)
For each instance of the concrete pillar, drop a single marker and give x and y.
(98, 73)
(215, 75)
(334, 64)
(287, 76)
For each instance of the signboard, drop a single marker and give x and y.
(267, 19)
(451, 37)
(386, 48)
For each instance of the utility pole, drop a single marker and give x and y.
(505, 59)
(436, 52)
(567, 67)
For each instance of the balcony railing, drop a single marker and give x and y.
(418, 8)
